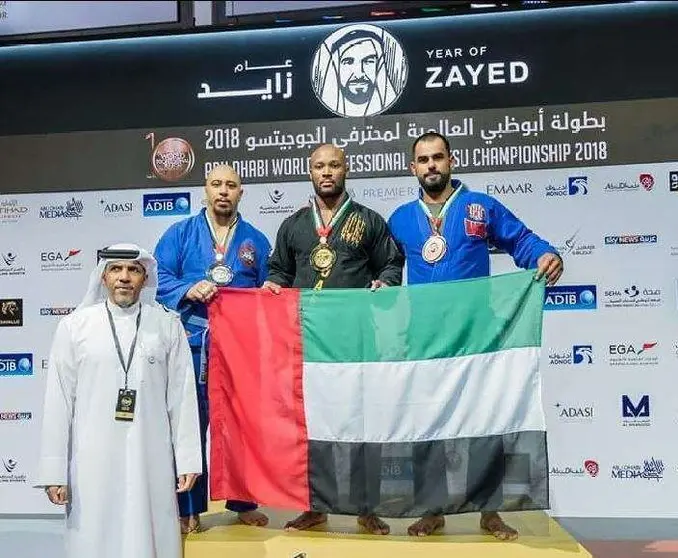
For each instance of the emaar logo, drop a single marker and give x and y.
(572, 297)
(16, 364)
(167, 205)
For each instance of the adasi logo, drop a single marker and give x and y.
(573, 297)
(116, 208)
(575, 413)
(359, 70)
(16, 364)
(11, 312)
(167, 205)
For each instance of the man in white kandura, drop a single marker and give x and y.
(120, 431)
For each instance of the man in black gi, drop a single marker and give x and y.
(335, 242)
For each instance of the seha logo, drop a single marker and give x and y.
(359, 70)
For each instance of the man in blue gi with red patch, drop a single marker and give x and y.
(446, 235)
(216, 247)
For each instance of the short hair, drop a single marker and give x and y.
(430, 136)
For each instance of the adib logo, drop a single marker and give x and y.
(16, 364)
(572, 297)
(167, 205)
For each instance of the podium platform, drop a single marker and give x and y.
(341, 537)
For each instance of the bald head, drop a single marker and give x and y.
(223, 191)
(328, 171)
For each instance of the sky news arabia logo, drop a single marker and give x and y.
(15, 415)
(573, 246)
(56, 310)
(570, 297)
(277, 205)
(651, 469)
(16, 364)
(635, 412)
(72, 209)
(633, 354)
(632, 296)
(10, 471)
(575, 413)
(11, 312)
(624, 239)
(589, 467)
(580, 354)
(66, 260)
(167, 205)
(575, 186)
(10, 265)
(11, 210)
(673, 181)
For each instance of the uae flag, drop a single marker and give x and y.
(402, 401)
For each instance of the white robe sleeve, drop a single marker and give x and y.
(57, 410)
(182, 403)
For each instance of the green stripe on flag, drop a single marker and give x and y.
(405, 323)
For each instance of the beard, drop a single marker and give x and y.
(434, 184)
(358, 91)
(327, 193)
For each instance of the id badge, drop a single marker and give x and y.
(124, 409)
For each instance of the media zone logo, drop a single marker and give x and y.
(636, 412)
(572, 297)
(359, 70)
(167, 205)
(16, 364)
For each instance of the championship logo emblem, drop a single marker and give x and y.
(359, 70)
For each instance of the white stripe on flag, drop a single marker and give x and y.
(472, 396)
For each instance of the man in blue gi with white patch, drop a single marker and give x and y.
(195, 256)
(446, 235)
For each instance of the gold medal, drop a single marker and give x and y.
(434, 249)
(323, 258)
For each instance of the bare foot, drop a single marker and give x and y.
(493, 524)
(373, 525)
(254, 518)
(305, 521)
(189, 524)
(427, 525)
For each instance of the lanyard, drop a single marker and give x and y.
(324, 232)
(436, 222)
(223, 246)
(117, 342)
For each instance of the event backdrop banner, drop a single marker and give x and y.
(567, 116)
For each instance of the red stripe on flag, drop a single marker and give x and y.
(259, 443)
